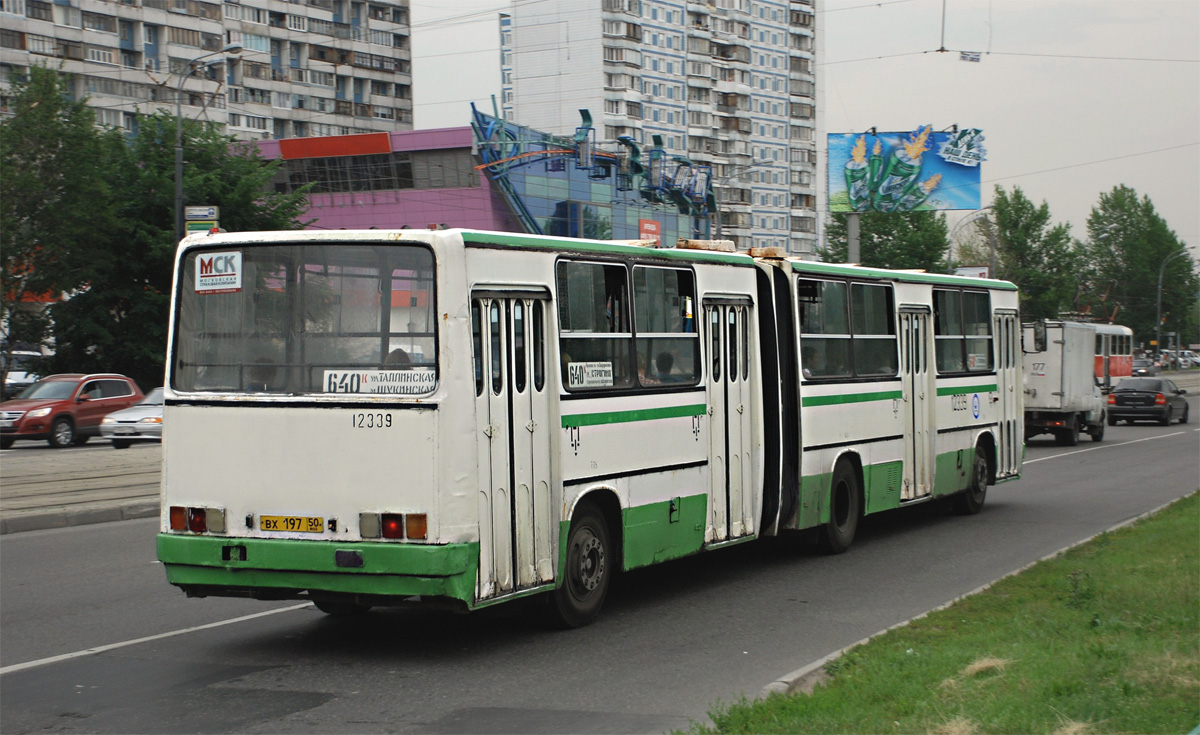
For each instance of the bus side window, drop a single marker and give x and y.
(477, 343)
(824, 328)
(539, 346)
(496, 324)
(518, 346)
(594, 322)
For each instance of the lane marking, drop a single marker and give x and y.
(111, 646)
(1107, 446)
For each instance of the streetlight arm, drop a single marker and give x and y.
(1158, 313)
(232, 48)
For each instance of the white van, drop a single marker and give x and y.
(19, 374)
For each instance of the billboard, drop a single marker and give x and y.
(905, 172)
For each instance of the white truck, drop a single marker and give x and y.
(1062, 396)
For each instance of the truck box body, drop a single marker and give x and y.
(1061, 395)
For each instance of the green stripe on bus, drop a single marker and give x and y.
(886, 395)
(624, 417)
(955, 390)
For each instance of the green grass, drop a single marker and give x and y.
(1104, 638)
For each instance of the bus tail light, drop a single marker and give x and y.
(416, 526)
(197, 520)
(413, 526)
(392, 525)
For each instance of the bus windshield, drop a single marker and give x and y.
(302, 319)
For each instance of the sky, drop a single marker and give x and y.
(1074, 97)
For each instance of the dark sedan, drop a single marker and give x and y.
(1144, 368)
(1147, 399)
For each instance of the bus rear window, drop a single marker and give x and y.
(304, 319)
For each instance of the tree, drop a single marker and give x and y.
(892, 240)
(119, 322)
(55, 200)
(1037, 256)
(89, 214)
(1128, 244)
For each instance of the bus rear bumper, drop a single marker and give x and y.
(281, 569)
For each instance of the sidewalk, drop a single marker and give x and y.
(44, 488)
(53, 489)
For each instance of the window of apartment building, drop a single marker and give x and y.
(258, 96)
(297, 22)
(10, 39)
(38, 10)
(99, 55)
(100, 23)
(255, 42)
(68, 17)
(183, 36)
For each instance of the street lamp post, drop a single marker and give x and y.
(233, 48)
(1158, 314)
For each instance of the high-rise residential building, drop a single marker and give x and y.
(264, 68)
(731, 84)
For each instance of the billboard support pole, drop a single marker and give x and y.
(852, 238)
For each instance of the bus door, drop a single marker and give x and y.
(1009, 391)
(917, 378)
(513, 417)
(729, 410)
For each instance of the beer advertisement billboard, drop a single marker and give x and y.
(905, 172)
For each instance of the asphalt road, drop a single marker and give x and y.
(671, 641)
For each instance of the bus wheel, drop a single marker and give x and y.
(586, 575)
(970, 501)
(331, 607)
(844, 510)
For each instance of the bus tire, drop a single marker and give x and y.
(586, 572)
(845, 507)
(333, 607)
(970, 501)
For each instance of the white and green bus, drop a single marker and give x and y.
(374, 418)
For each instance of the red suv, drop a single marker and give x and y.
(65, 409)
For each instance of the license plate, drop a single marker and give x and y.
(293, 524)
(124, 430)
(7, 424)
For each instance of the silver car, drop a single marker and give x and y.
(139, 423)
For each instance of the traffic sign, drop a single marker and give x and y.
(201, 213)
(203, 226)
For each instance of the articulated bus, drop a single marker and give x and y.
(1114, 354)
(374, 418)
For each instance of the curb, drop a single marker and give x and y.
(803, 680)
(65, 518)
